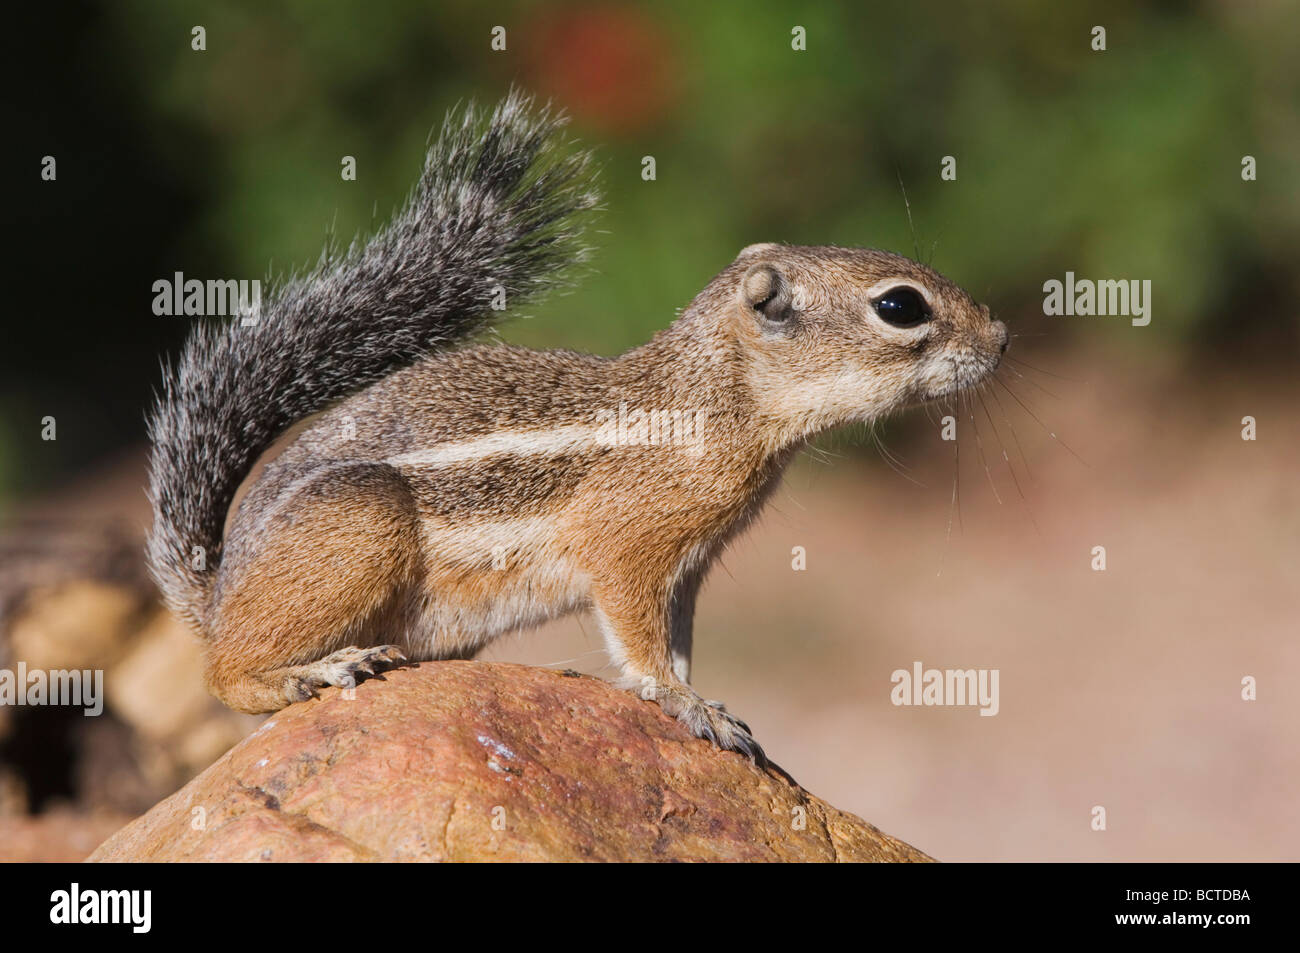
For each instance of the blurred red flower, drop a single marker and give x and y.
(610, 66)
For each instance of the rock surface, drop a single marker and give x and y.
(474, 761)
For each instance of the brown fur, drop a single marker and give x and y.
(349, 540)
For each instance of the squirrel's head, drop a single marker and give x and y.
(834, 335)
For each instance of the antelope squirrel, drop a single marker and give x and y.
(447, 495)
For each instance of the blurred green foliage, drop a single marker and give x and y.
(1121, 163)
(1124, 163)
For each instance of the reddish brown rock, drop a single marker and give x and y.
(475, 761)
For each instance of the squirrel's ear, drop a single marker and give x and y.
(757, 249)
(767, 291)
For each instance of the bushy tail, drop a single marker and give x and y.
(498, 205)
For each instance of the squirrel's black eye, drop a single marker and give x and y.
(903, 308)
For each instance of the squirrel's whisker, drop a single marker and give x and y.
(1046, 429)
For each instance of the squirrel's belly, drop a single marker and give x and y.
(485, 577)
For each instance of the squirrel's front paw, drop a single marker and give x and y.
(709, 720)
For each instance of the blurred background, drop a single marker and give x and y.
(1119, 688)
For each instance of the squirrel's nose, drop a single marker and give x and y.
(1004, 334)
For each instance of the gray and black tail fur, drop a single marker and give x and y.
(499, 205)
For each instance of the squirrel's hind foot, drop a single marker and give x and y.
(342, 669)
(273, 689)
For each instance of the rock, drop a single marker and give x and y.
(474, 761)
(77, 625)
(157, 689)
(159, 726)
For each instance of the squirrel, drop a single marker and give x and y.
(449, 492)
